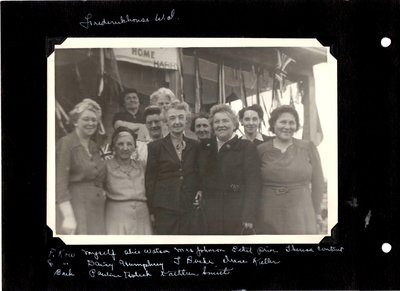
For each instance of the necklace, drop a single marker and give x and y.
(126, 169)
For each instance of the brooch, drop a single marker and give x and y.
(235, 187)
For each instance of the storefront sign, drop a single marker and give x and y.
(162, 58)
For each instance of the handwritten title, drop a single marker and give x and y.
(90, 20)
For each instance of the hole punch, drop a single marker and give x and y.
(386, 248)
(385, 42)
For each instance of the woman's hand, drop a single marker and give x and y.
(68, 225)
(247, 225)
(152, 219)
(197, 198)
(320, 222)
(319, 218)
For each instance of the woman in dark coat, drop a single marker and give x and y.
(230, 174)
(171, 174)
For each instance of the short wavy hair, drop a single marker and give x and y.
(223, 108)
(277, 112)
(116, 133)
(176, 104)
(197, 116)
(255, 107)
(151, 110)
(162, 92)
(85, 104)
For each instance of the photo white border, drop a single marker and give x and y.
(183, 239)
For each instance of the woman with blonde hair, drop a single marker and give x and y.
(79, 171)
(162, 97)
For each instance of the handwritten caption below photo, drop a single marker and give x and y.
(194, 261)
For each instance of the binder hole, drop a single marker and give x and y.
(385, 42)
(386, 248)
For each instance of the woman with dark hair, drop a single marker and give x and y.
(126, 209)
(200, 125)
(250, 117)
(152, 117)
(131, 116)
(79, 171)
(230, 174)
(292, 179)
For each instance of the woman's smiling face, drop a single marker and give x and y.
(251, 122)
(285, 126)
(131, 101)
(223, 126)
(87, 123)
(124, 146)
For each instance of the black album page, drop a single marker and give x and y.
(321, 213)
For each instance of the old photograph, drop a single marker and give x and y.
(192, 140)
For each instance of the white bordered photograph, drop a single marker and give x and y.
(180, 141)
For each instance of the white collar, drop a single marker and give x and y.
(258, 136)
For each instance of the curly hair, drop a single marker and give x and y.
(162, 92)
(85, 104)
(151, 110)
(277, 112)
(223, 108)
(176, 104)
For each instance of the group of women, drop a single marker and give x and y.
(249, 184)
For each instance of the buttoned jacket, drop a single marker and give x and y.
(233, 172)
(171, 183)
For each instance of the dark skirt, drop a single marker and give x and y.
(223, 212)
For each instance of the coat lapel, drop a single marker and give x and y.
(229, 145)
(188, 147)
(167, 143)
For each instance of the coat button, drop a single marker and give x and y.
(181, 177)
(180, 170)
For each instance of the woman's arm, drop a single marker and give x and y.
(317, 179)
(151, 174)
(142, 153)
(63, 197)
(63, 165)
